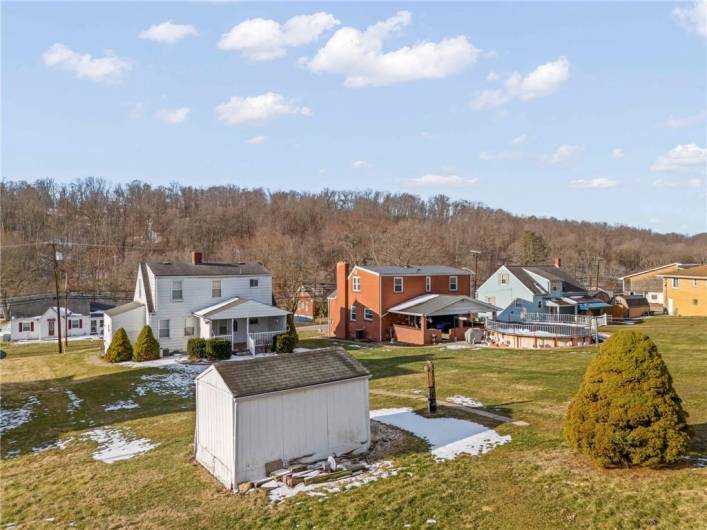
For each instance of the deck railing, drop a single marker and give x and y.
(552, 318)
(262, 338)
(540, 329)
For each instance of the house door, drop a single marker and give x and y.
(51, 322)
(670, 307)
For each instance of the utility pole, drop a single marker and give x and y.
(596, 285)
(66, 308)
(58, 306)
(476, 269)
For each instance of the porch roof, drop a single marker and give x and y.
(441, 305)
(237, 307)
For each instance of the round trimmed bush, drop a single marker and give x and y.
(120, 349)
(196, 348)
(146, 346)
(626, 412)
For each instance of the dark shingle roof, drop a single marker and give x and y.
(413, 270)
(160, 268)
(289, 371)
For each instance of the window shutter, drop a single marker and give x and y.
(68, 323)
(80, 323)
(31, 326)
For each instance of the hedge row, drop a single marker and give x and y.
(211, 349)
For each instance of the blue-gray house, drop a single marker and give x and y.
(523, 289)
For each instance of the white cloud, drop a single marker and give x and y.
(493, 76)
(563, 153)
(260, 39)
(687, 183)
(688, 157)
(109, 68)
(617, 153)
(600, 183)
(544, 80)
(256, 140)
(675, 122)
(443, 180)
(173, 116)
(360, 164)
(519, 140)
(500, 155)
(257, 109)
(168, 32)
(693, 18)
(359, 55)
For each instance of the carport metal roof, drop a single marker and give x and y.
(429, 305)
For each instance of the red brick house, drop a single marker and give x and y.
(411, 304)
(310, 301)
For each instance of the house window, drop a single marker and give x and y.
(352, 312)
(253, 282)
(215, 288)
(555, 286)
(654, 296)
(694, 282)
(177, 291)
(25, 326)
(219, 327)
(453, 283)
(519, 303)
(540, 304)
(356, 284)
(94, 327)
(504, 278)
(367, 314)
(164, 329)
(398, 284)
(189, 326)
(491, 300)
(252, 321)
(428, 284)
(676, 282)
(75, 323)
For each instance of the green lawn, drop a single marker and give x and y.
(533, 482)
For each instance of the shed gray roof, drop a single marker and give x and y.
(161, 268)
(413, 270)
(549, 272)
(119, 310)
(288, 371)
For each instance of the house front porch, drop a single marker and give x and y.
(249, 325)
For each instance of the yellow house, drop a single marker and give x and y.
(686, 291)
(649, 283)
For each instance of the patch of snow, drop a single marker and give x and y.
(457, 346)
(74, 401)
(377, 471)
(52, 445)
(45, 341)
(13, 418)
(431, 521)
(448, 437)
(120, 405)
(300, 350)
(466, 401)
(114, 446)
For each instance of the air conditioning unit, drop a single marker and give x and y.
(165, 352)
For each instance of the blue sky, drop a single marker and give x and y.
(589, 111)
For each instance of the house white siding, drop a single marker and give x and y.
(40, 326)
(214, 439)
(196, 295)
(309, 423)
(132, 321)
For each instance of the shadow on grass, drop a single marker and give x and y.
(67, 405)
(382, 367)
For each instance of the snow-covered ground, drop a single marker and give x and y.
(113, 445)
(448, 437)
(50, 340)
(74, 401)
(466, 401)
(13, 418)
(121, 405)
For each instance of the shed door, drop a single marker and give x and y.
(51, 322)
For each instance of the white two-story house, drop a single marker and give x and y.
(199, 299)
(527, 289)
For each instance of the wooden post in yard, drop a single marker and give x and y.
(431, 392)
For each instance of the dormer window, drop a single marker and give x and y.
(177, 291)
(356, 284)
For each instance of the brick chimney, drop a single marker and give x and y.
(342, 299)
(197, 258)
(558, 262)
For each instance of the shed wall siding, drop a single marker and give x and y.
(214, 427)
(132, 321)
(312, 423)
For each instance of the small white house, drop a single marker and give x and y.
(179, 301)
(44, 326)
(300, 407)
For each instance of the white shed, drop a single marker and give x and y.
(300, 407)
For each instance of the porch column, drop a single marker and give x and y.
(233, 335)
(423, 328)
